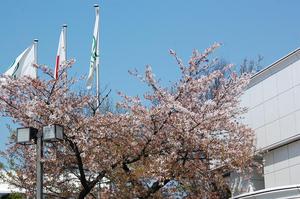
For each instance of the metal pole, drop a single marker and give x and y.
(39, 144)
(39, 166)
(65, 39)
(65, 43)
(97, 9)
(99, 190)
(35, 44)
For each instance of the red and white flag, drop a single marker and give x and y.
(61, 52)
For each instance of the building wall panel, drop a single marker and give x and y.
(286, 103)
(270, 87)
(295, 174)
(273, 133)
(271, 110)
(284, 79)
(280, 158)
(296, 71)
(287, 126)
(282, 177)
(269, 180)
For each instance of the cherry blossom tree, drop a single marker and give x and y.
(175, 140)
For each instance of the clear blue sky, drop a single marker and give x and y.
(139, 32)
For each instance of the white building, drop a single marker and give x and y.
(6, 189)
(273, 99)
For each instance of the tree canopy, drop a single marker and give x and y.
(183, 140)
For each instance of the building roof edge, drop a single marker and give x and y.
(274, 67)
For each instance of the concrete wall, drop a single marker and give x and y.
(274, 106)
(282, 166)
(273, 100)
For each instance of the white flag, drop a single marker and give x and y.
(61, 53)
(94, 52)
(23, 65)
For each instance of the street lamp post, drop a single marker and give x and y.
(39, 166)
(50, 133)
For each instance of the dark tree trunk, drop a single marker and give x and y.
(83, 193)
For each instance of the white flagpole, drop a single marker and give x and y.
(97, 59)
(35, 45)
(65, 38)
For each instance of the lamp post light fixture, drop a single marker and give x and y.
(50, 133)
(26, 135)
(53, 133)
